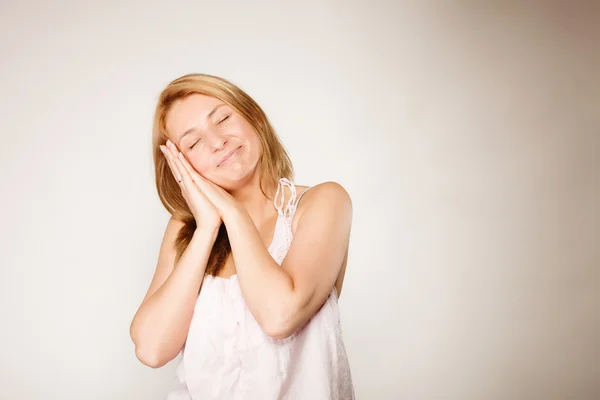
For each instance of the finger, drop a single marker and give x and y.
(174, 152)
(170, 146)
(203, 184)
(196, 177)
(183, 173)
(169, 162)
(168, 155)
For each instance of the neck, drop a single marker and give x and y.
(259, 207)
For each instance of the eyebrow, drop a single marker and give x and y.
(210, 114)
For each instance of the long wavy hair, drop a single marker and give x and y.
(273, 165)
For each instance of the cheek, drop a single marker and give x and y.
(257, 146)
(251, 137)
(197, 163)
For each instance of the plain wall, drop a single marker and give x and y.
(468, 136)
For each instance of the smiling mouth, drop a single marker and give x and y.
(228, 157)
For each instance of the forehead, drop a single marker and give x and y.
(188, 112)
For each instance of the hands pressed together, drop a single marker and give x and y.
(208, 202)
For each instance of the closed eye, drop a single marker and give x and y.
(224, 119)
(195, 144)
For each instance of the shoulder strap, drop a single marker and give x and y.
(301, 194)
(292, 210)
(293, 201)
(280, 207)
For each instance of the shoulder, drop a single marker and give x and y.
(173, 227)
(327, 192)
(328, 197)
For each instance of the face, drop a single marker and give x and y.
(207, 130)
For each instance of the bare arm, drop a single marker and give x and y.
(160, 326)
(282, 298)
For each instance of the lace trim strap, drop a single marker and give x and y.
(293, 201)
(287, 212)
(299, 197)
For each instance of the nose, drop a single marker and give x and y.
(218, 143)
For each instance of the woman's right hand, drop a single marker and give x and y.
(206, 214)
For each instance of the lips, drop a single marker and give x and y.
(228, 156)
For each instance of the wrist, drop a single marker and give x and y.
(233, 212)
(210, 232)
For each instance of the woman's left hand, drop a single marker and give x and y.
(219, 197)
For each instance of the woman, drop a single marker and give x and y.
(253, 312)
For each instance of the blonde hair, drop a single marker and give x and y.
(273, 165)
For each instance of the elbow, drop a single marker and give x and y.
(281, 325)
(279, 331)
(146, 352)
(153, 352)
(150, 358)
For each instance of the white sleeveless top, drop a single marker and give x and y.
(227, 355)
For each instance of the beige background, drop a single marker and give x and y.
(468, 136)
